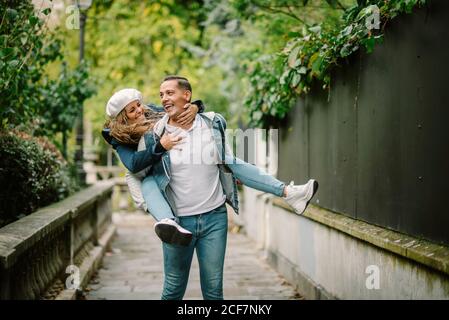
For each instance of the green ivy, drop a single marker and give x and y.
(27, 94)
(276, 81)
(25, 50)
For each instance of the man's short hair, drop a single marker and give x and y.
(183, 82)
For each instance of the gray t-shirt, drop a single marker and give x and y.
(195, 185)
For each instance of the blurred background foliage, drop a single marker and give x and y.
(215, 43)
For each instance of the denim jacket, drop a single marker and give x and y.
(161, 169)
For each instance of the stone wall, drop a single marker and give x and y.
(43, 252)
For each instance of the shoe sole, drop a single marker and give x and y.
(171, 235)
(315, 189)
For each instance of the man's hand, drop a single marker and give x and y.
(168, 141)
(187, 116)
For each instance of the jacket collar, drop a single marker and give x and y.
(160, 125)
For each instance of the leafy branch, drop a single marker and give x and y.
(276, 81)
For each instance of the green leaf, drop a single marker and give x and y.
(3, 40)
(312, 59)
(6, 51)
(12, 13)
(297, 63)
(315, 29)
(284, 77)
(46, 11)
(295, 80)
(292, 34)
(13, 63)
(33, 20)
(257, 115)
(302, 70)
(292, 56)
(347, 31)
(24, 39)
(369, 44)
(345, 50)
(315, 64)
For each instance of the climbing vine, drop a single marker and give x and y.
(277, 80)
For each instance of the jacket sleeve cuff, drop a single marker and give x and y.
(158, 149)
(155, 108)
(114, 143)
(200, 105)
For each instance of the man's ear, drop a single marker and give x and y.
(188, 95)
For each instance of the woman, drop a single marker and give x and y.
(131, 123)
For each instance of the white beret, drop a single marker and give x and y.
(120, 99)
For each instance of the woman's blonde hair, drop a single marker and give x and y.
(127, 133)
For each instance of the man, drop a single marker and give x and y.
(196, 190)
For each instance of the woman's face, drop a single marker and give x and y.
(134, 112)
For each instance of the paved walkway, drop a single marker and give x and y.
(133, 269)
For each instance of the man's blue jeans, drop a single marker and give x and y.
(209, 240)
(250, 175)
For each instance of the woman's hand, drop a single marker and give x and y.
(188, 115)
(168, 141)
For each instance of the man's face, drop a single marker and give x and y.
(173, 98)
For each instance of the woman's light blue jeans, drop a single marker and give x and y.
(255, 178)
(209, 240)
(248, 174)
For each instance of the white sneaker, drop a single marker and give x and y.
(171, 232)
(298, 197)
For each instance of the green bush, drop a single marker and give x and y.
(29, 51)
(33, 174)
